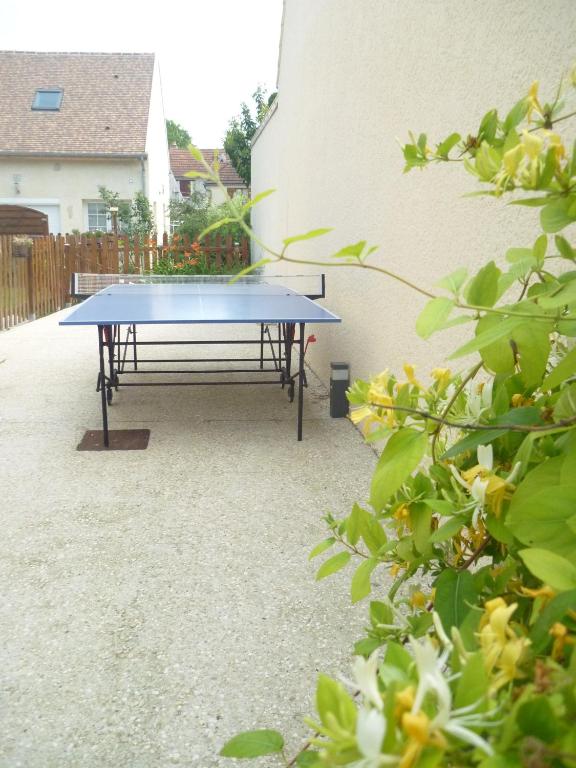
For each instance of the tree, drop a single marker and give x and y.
(177, 135)
(135, 218)
(241, 130)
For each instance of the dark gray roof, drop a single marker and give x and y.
(104, 108)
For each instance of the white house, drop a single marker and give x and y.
(353, 79)
(182, 163)
(72, 122)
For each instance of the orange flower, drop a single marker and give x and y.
(195, 246)
(192, 262)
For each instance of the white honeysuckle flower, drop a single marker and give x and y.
(365, 673)
(370, 732)
(511, 479)
(429, 666)
(440, 631)
(485, 455)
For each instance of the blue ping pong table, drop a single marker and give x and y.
(116, 302)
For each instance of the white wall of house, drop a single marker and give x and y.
(66, 186)
(354, 77)
(158, 181)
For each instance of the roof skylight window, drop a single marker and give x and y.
(47, 99)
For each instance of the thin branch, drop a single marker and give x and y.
(477, 427)
(471, 374)
(475, 555)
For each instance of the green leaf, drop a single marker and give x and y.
(555, 611)
(552, 569)
(253, 744)
(196, 154)
(454, 281)
(255, 200)
(307, 236)
(516, 115)
(539, 249)
(447, 530)
(333, 565)
(400, 457)
(565, 407)
(556, 215)
(494, 332)
(472, 441)
(488, 126)
(531, 202)
(564, 248)
(561, 295)
(532, 341)
(541, 508)
(432, 317)
(215, 225)
(308, 759)
(538, 720)
(483, 290)
(198, 175)
(564, 370)
(322, 547)
(332, 702)
(455, 596)
(353, 524)
(249, 268)
(444, 148)
(421, 517)
(473, 682)
(372, 533)
(360, 587)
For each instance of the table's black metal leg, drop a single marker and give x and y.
(301, 380)
(102, 380)
(110, 337)
(261, 346)
(280, 345)
(134, 347)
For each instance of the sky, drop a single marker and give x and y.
(212, 53)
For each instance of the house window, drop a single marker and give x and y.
(98, 218)
(47, 99)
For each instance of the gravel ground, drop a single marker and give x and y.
(155, 603)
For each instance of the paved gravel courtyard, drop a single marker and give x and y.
(154, 603)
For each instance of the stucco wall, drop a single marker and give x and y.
(158, 184)
(353, 78)
(68, 184)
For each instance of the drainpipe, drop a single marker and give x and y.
(143, 172)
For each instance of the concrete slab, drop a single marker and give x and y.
(155, 603)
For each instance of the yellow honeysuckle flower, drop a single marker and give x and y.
(409, 371)
(501, 648)
(418, 599)
(442, 377)
(532, 144)
(416, 726)
(519, 401)
(546, 593)
(513, 158)
(561, 638)
(405, 699)
(533, 101)
(359, 414)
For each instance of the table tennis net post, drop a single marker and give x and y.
(84, 284)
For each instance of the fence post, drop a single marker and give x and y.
(31, 287)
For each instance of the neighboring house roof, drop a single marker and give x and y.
(104, 109)
(181, 162)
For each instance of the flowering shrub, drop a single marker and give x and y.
(469, 657)
(191, 260)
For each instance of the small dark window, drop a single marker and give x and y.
(47, 99)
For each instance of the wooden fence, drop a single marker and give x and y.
(35, 279)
